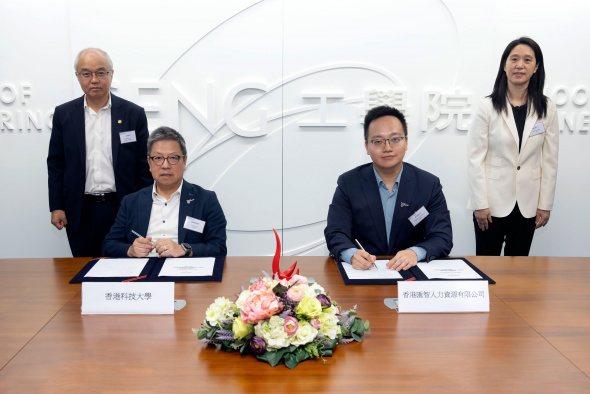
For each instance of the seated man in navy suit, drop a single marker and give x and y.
(389, 207)
(177, 217)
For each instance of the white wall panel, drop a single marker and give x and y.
(214, 70)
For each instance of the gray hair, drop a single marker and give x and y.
(164, 133)
(95, 50)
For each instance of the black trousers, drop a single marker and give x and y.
(95, 223)
(515, 230)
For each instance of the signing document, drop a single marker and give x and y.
(197, 266)
(448, 269)
(380, 271)
(115, 268)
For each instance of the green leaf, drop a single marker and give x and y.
(275, 358)
(332, 344)
(302, 355)
(279, 289)
(357, 327)
(244, 347)
(327, 353)
(291, 360)
(211, 333)
(356, 337)
(367, 327)
(202, 333)
(312, 349)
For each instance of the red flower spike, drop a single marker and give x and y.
(275, 262)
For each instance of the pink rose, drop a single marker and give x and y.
(259, 305)
(299, 280)
(316, 323)
(290, 326)
(259, 284)
(295, 294)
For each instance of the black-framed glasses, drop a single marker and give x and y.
(172, 160)
(392, 141)
(99, 74)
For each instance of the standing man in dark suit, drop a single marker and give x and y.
(389, 207)
(171, 218)
(97, 155)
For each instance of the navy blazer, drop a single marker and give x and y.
(356, 212)
(196, 202)
(66, 161)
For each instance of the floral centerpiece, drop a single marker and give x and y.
(281, 319)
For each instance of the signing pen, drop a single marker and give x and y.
(361, 246)
(139, 235)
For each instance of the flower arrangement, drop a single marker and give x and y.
(281, 319)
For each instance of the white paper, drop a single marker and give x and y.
(443, 296)
(194, 224)
(192, 266)
(127, 136)
(115, 268)
(418, 216)
(381, 272)
(127, 298)
(448, 269)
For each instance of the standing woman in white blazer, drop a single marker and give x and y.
(512, 151)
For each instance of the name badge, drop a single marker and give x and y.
(194, 224)
(418, 216)
(127, 136)
(538, 128)
(126, 298)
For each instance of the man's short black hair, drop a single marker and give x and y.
(379, 112)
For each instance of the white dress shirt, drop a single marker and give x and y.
(164, 217)
(100, 175)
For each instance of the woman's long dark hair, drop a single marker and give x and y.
(535, 96)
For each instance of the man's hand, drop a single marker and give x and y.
(168, 248)
(58, 219)
(483, 216)
(141, 247)
(403, 260)
(542, 218)
(362, 260)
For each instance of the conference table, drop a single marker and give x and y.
(535, 339)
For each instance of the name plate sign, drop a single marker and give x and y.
(443, 296)
(126, 298)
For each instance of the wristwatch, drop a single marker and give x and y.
(187, 248)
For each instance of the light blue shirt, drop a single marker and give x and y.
(388, 200)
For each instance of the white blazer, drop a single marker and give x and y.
(500, 176)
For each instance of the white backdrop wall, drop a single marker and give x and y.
(270, 94)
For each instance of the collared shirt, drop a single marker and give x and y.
(100, 175)
(388, 200)
(164, 217)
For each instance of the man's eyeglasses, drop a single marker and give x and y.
(392, 141)
(172, 160)
(88, 74)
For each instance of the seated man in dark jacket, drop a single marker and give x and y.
(389, 207)
(171, 218)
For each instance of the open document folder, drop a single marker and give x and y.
(448, 269)
(117, 268)
(378, 272)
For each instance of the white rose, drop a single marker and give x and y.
(315, 287)
(271, 330)
(242, 298)
(329, 325)
(305, 334)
